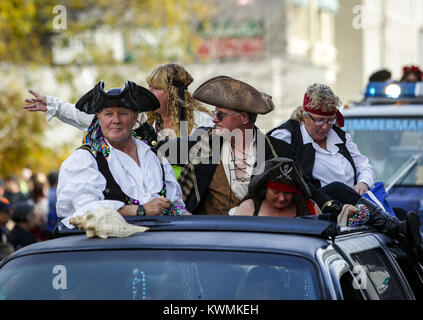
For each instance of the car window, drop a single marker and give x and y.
(379, 274)
(351, 287)
(159, 274)
(389, 143)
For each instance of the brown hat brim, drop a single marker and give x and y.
(230, 93)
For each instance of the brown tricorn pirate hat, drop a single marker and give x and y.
(230, 93)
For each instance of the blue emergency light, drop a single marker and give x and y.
(394, 90)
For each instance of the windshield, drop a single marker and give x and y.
(389, 143)
(160, 274)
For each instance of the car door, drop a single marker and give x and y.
(373, 269)
(409, 263)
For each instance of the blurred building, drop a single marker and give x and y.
(278, 46)
(68, 51)
(375, 34)
(281, 47)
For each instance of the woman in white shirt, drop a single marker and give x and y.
(327, 155)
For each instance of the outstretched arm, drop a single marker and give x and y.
(38, 103)
(54, 107)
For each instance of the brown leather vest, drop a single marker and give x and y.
(219, 197)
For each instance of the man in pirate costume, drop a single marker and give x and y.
(224, 157)
(113, 168)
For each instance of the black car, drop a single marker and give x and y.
(216, 258)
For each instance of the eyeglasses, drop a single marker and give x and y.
(330, 121)
(221, 115)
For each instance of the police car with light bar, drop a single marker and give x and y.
(387, 126)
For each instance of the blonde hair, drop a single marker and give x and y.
(322, 98)
(171, 77)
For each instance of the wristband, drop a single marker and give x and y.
(140, 210)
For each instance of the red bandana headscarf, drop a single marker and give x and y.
(279, 186)
(320, 112)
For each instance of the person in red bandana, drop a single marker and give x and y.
(332, 165)
(279, 191)
(411, 74)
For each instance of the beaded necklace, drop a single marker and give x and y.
(174, 209)
(361, 217)
(139, 277)
(191, 281)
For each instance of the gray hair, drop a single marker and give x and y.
(322, 97)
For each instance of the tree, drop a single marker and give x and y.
(154, 30)
(21, 136)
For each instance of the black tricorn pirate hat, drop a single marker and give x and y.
(282, 170)
(132, 96)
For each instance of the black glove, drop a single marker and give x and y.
(330, 210)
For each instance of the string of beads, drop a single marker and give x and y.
(359, 218)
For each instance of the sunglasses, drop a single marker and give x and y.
(221, 115)
(330, 121)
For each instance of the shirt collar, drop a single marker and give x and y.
(255, 132)
(141, 147)
(331, 140)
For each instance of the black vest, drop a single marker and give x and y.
(113, 191)
(204, 172)
(305, 153)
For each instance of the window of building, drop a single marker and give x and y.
(299, 21)
(326, 24)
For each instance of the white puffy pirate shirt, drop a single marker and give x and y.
(81, 185)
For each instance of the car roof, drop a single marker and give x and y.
(296, 236)
(365, 110)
